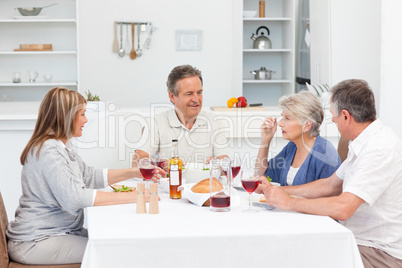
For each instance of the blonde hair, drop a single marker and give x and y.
(56, 118)
(304, 106)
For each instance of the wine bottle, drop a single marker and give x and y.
(175, 166)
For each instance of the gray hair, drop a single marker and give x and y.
(355, 96)
(304, 106)
(179, 73)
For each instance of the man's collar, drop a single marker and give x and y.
(175, 122)
(358, 143)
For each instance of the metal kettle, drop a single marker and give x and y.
(261, 42)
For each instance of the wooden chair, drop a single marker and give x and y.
(343, 148)
(4, 258)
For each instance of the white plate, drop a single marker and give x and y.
(256, 201)
(237, 184)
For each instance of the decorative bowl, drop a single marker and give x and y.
(249, 13)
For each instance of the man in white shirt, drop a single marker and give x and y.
(200, 135)
(365, 193)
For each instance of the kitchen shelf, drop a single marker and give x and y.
(72, 52)
(39, 84)
(267, 19)
(280, 17)
(272, 81)
(58, 26)
(37, 21)
(266, 50)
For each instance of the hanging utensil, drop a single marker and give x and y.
(148, 41)
(115, 41)
(133, 55)
(139, 50)
(127, 46)
(121, 52)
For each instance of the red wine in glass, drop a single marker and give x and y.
(220, 200)
(250, 185)
(235, 171)
(160, 163)
(147, 173)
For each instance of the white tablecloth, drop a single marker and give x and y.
(185, 235)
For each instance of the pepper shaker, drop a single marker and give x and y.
(154, 202)
(262, 9)
(141, 198)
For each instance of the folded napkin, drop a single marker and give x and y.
(195, 198)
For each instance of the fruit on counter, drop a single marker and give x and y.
(232, 102)
(242, 102)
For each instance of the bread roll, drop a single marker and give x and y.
(203, 186)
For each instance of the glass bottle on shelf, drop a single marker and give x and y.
(175, 174)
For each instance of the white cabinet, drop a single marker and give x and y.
(56, 25)
(344, 46)
(280, 20)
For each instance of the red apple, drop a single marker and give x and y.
(242, 102)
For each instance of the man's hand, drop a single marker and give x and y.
(274, 195)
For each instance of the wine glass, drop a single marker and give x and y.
(250, 182)
(235, 163)
(147, 169)
(159, 161)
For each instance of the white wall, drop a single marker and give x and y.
(142, 81)
(391, 68)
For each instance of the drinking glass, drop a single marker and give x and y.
(250, 182)
(220, 198)
(16, 77)
(147, 169)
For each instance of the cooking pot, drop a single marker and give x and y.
(261, 42)
(262, 74)
(32, 11)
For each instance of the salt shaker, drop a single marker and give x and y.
(141, 198)
(153, 202)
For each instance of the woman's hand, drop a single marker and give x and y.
(160, 173)
(268, 128)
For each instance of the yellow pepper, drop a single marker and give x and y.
(232, 102)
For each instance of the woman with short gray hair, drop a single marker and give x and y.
(307, 156)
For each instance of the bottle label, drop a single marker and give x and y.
(174, 175)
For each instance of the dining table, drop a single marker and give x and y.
(183, 234)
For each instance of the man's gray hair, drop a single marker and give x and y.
(304, 106)
(355, 96)
(179, 73)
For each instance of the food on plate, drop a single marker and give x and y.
(203, 186)
(242, 102)
(263, 199)
(122, 188)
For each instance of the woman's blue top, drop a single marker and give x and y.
(322, 161)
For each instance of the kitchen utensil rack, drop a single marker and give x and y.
(144, 26)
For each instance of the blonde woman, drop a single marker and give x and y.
(57, 185)
(307, 156)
